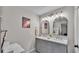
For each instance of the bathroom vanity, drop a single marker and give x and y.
(53, 34)
(51, 45)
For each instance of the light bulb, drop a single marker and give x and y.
(56, 16)
(61, 14)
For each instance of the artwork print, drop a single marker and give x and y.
(25, 22)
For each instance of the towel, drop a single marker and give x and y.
(14, 47)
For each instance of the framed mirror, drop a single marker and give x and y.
(44, 28)
(60, 26)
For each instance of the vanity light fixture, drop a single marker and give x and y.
(49, 18)
(45, 18)
(61, 14)
(42, 19)
(52, 16)
(56, 15)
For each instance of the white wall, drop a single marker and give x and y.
(76, 28)
(68, 12)
(0, 26)
(12, 21)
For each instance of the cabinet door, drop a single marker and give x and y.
(56, 48)
(43, 46)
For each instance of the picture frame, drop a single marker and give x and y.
(25, 22)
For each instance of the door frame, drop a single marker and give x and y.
(76, 27)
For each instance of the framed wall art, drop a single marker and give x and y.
(25, 22)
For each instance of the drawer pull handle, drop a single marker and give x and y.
(76, 46)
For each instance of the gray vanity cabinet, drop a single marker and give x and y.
(44, 46)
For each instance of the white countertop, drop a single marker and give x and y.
(60, 41)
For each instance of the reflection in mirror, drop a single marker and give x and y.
(60, 26)
(44, 27)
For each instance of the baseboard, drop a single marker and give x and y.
(30, 51)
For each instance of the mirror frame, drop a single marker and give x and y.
(48, 26)
(60, 19)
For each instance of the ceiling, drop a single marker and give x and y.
(39, 10)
